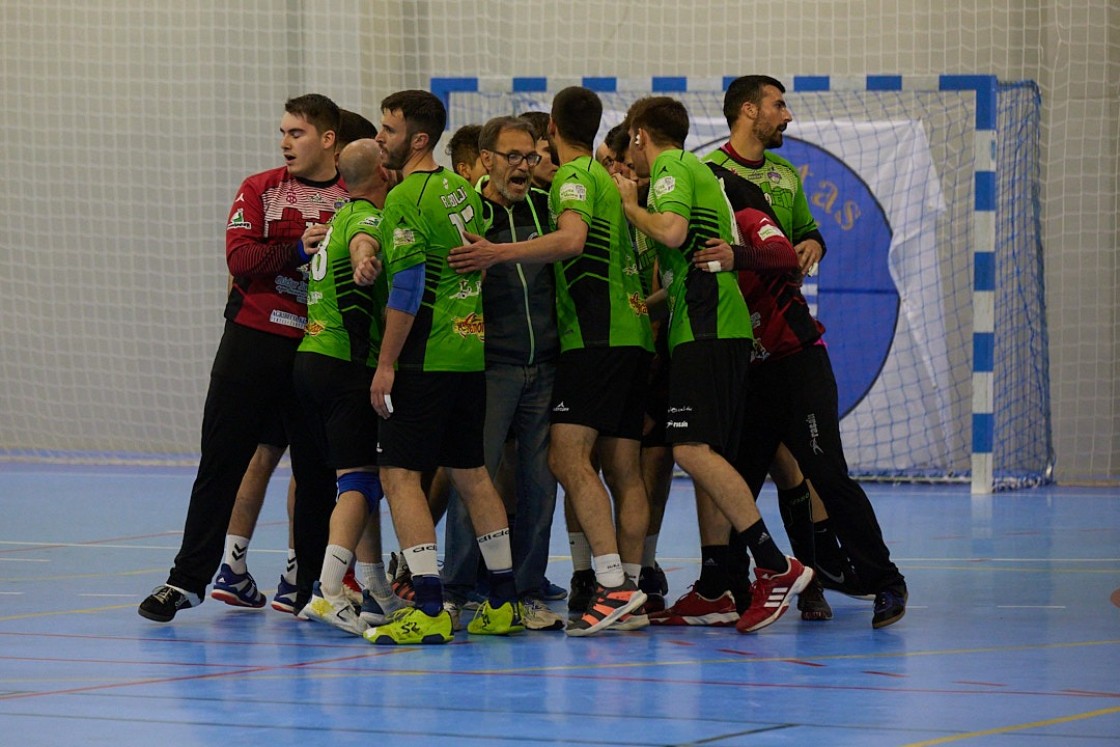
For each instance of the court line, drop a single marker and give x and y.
(1017, 727)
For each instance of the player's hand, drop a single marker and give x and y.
(479, 254)
(716, 256)
(312, 237)
(379, 391)
(367, 271)
(809, 253)
(627, 188)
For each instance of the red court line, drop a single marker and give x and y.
(87, 543)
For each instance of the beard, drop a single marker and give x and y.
(395, 159)
(770, 138)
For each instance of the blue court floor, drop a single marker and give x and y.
(1012, 638)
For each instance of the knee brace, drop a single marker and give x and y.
(366, 483)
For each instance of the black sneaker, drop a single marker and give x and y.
(164, 601)
(811, 602)
(583, 588)
(650, 583)
(890, 606)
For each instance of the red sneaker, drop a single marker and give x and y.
(770, 595)
(696, 609)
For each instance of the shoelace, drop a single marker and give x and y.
(164, 594)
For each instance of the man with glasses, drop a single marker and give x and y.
(518, 300)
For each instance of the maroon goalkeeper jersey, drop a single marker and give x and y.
(268, 217)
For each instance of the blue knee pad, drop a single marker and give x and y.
(366, 483)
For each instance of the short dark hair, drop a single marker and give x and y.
(463, 147)
(664, 118)
(618, 140)
(538, 121)
(576, 113)
(423, 111)
(493, 129)
(353, 126)
(317, 109)
(742, 90)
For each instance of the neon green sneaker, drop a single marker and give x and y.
(410, 626)
(505, 620)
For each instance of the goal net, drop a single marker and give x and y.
(926, 191)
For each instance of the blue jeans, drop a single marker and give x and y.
(517, 405)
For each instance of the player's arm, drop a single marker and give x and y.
(564, 243)
(400, 313)
(666, 227)
(807, 239)
(248, 253)
(363, 258)
(766, 248)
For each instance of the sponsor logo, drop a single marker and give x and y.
(314, 297)
(630, 269)
(314, 328)
(286, 319)
(471, 324)
(403, 237)
(560, 407)
(240, 198)
(292, 287)
(638, 304)
(339, 203)
(676, 423)
(664, 186)
(373, 220)
(774, 177)
(673, 410)
(769, 230)
(467, 289)
(814, 434)
(238, 220)
(573, 191)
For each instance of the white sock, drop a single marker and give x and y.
(422, 560)
(237, 549)
(581, 551)
(608, 570)
(289, 573)
(336, 561)
(649, 551)
(632, 570)
(496, 551)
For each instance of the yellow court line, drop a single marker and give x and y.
(1017, 727)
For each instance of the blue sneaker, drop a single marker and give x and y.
(237, 589)
(285, 599)
(551, 592)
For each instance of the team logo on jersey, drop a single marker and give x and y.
(340, 203)
(774, 176)
(664, 186)
(471, 324)
(573, 191)
(768, 230)
(373, 221)
(314, 328)
(467, 289)
(403, 237)
(238, 220)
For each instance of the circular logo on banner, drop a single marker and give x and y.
(853, 294)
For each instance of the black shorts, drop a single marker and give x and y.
(657, 398)
(335, 395)
(437, 421)
(273, 433)
(603, 388)
(706, 393)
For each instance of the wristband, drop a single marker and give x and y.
(304, 257)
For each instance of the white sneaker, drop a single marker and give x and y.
(336, 611)
(455, 611)
(536, 615)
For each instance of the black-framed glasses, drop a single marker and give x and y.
(516, 158)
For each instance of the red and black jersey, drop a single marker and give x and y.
(266, 222)
(780, 316)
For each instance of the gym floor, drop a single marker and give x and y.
(1012, 637)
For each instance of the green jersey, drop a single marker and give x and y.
(344, 320)
(599, 298)
(702, 305)
(781, 183)
(424, 218)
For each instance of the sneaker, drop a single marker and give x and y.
(539, 616)
(410, 626)
(693, 608)
(165, 600)
(583, 589)
(651, 584)
(336, 611)
(474, 601)
(400, 578)
(503, 620)
(770, 595)
(890, 606)
(371, 612)
(635, 620)
(351, 588)
(840, 577)
(455, 611)
(608, 605)
(811, 602)
(285, 597)
(237, 589)
(551, 592)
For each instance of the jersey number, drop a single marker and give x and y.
(319, 259)
(461, 219)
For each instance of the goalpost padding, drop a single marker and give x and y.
(960, 392)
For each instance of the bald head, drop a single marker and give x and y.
(360, 162)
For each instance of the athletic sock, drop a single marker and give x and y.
(608, 570)
(766, 554)
(336, 561)
(581, 551)
(498, 556)
(290, 568)
(633, 571)
(797, 515)
(649, 551)
(714, 579)
(237, 549)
